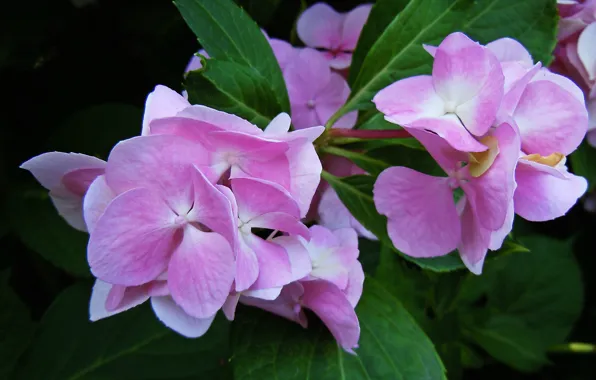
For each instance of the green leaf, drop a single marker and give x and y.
(260, 10)
(381, 15)
(398, 52)
(370, 165)
(527, 311)
(582, 161)
(128, 346)
(391, 346)
(36, 222)
(16, 326)
(233, 88)
(95, 130)
(227, 33)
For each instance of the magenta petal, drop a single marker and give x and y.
(274, 264)
(422, 219)
(162, 102)
(320, 26)
(201, 272)
(542, 195)
(176, 318)
(474, 241)
(256, 197)
(96, 201)
(131, 297)
(132, 240)
(334, 309)
(161, 163)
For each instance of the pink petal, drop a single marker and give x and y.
(562, 81)
(352, 26)
(201, 272)
(550, 119)
(274, 264)
(474, 241)
(542, 195)
(229, 307)
(422, 100)
(279, 126)
(97, 305)
(162, 102)
(449, 128)
(333, 214)
(96, 201)
(430, 49)
(508, 50)
(173, 316)
(132, 240)
(304, 117)
(470, 80)
(212, 208)
(78, 181)
(264, 294)
(498, 237)
(304, 168)
(297, 254)
(339, 61)
(353, 291)
(257, 197)
(334, 309)
(330, 98)
(195, 61)
(422, 219)
(586, 51)
(282, 222)
(160, 163)
(446, 156)
(283, 51)
(306, 75)
(247, 266)
(516, 80)
(320, 26)
(286, 305)
(491, 193)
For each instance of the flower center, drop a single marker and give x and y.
(180, 220)
(310, 104)
(551, 160)
(480, 162)
(450, 107)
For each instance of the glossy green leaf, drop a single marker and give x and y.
(582, 161)
(227, 33)
(16, 326)
(232, 88)
(36, 222)
(391, 346)
(129, 346)
(371, 165)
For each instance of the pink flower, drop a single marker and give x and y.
(331, 290)
(315, 91)
(320, 26)
(459, 101)
(67, 176)
(424, 220)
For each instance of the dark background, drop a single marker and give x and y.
(75, 79)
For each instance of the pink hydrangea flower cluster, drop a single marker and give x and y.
(501, 127)
(202, 211)
(576, 53)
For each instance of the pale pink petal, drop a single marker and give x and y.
(297, 254)
(212, 208)
(353, 291)
(339, 61)
(279, 126)
(474, 241)
(305, 77)
(430, 49)
(470, 80)
(162, 102)
(421, 101)
(333, 214)
(201, 272)
(304, 116)
(282, 222)
(99, 295)
(592, 114)
(78, 181)
(162, 163)
(320, 26)
(158, 288)
(257, 197)
(274, 264)
(206, 118)
(422, 219)
(517, 79)
(449, 127)
(69, 207)
(286, 305)
(446, 156)
(498, 237)
(275, 170)
(561, 81)
(507, 50)
(333, 308)
(229, 307)
(115, 296)
(195, 62)
(550, 119)
(586, 50)
(491, 193)
(331, 97)
(96, 201)
(542, 196)
(305, 171)
(132, 240)
(173, 316)
(264, 294)
(247, 266)
(352, 26)
(283, 51)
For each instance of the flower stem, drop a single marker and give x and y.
(370, 134)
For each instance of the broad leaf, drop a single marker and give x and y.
(227, 33)
(369, 164)
(391, 346)
(132, 345)
(582, 161)
(233, 88)
(16, 326)
(36, 222)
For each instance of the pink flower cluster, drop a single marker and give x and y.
(202, 211)
(501, 128)
(576, 51)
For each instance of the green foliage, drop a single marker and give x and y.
(392, 346)
(131, 345)
(583, 163)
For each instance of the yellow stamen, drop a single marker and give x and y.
(480, 162)
(551, 160)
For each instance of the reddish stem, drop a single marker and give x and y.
(370, 134)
